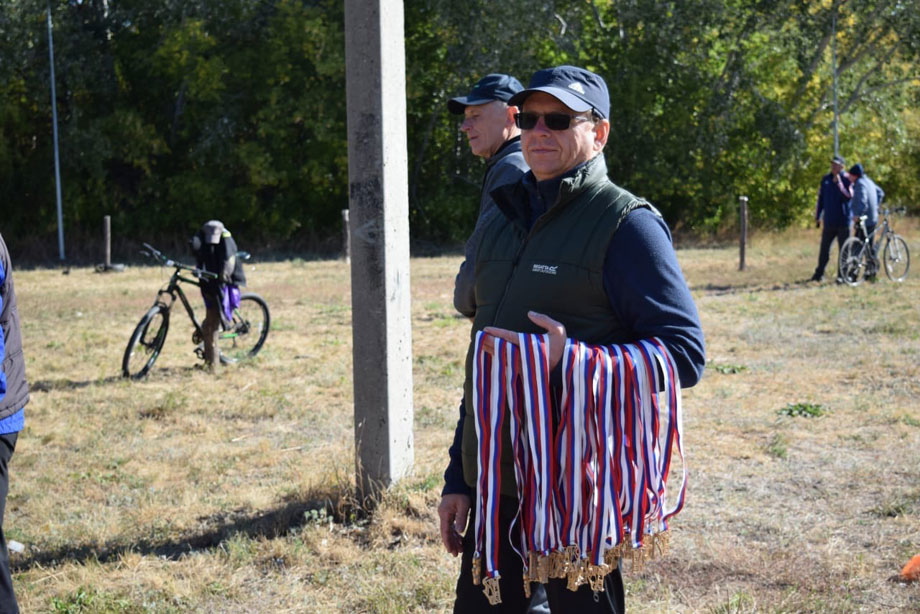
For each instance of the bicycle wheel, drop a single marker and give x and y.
(244, 338)
(897, 258)
(146, 342)
(851, 266)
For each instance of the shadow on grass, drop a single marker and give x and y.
(724, 289)
(279, 522)
(49, 385)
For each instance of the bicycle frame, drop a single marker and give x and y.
(172, 289)
(882, 231)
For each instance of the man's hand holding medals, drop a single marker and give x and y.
(591, 474)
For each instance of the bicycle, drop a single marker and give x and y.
(243, 338)
(859, 259)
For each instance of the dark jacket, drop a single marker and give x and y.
(833, 201)
(557, 265)
(504, 167)
(14, 388)
(221, 259)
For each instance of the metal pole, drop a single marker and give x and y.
(834, 62)
(54, 128)
(744, 228)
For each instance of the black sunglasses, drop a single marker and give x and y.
(553, 121)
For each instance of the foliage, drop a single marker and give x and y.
(174, 112)
(802, 410)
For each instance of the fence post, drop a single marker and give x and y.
(744, 229)
(107, 265)
(107, 233)
(346, 230)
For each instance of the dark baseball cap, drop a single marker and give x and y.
(576, 88)
(491, 87)
(857, 169)
(839, 160)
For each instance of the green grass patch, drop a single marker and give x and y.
(738, 603)
(803, 410)
(778, 446)
(727, 368)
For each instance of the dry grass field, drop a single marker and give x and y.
(191, 493)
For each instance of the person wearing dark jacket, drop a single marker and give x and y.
(575, 256)
(489, 127)
(215, 251)
(14, 395)
(834, 196)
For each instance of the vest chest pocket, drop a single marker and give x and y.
(558, 287)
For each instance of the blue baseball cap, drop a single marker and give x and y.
(857, 169)
(577, 88)
(491, 87)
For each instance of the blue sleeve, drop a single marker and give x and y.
(647, 290)
(860, 202)
(3, 268)
(454, 484)
(819, 208)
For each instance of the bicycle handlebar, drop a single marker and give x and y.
(165, 261)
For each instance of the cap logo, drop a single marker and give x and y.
(575, 85)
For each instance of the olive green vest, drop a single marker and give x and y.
(555, 268)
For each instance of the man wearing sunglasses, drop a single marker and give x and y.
(572, 255)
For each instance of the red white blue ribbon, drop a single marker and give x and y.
(489, 404)
(592, 480)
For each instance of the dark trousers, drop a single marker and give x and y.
(828, 234)
(471, 600)
(7, 598)
(210, 327)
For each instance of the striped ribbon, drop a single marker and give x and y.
(591, 480)
(489, 402)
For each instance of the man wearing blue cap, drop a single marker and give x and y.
(833, 207)
(572, 255)
(488, 123)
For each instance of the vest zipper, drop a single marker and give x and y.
(514, 266)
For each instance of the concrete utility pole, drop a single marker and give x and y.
(375, 77)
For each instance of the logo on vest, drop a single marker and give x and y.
(544, 268)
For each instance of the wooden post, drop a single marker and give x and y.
(378, 196)
(106, 266)
(346, 241)
(744, 229)
(107, 232)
